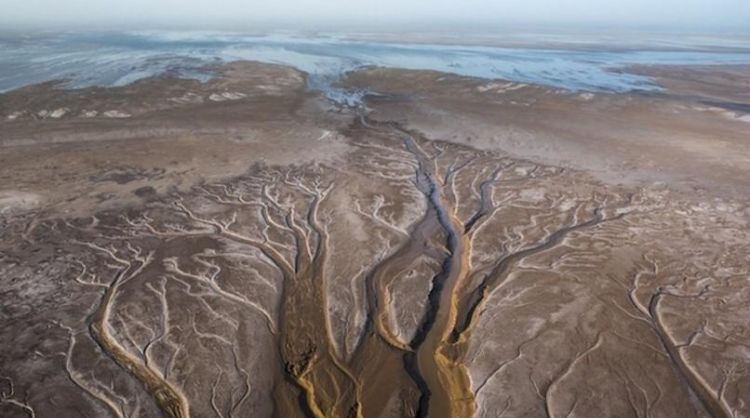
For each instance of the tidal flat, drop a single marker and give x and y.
(447, 246)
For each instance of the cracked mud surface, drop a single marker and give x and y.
(262, 253)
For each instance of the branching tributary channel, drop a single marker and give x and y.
(434, 357)
(427, 374)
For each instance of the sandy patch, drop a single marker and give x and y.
(12, 201)
(500, 87)
(222, 97)
(187, 98)
(14, 116)
(58, 113)
(116, 114)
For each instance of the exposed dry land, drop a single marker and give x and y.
(462, 247)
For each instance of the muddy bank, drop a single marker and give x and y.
(272, 255)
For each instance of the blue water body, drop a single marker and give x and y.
(116, 59)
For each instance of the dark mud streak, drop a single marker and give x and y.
(171, 403)
(485, 203)
(287, 377)
(427, 184)
(412, 368)
(418, 240)
(410, 360)
(500, 272)
(710, 403)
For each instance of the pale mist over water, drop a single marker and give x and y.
(434, 15)
(574, 45)
(589, 45)
(570, 62)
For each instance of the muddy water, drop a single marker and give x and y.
(387, 367)
(449, 393)
(384, 376)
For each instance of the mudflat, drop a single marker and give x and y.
(458, 247)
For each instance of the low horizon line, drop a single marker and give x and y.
(404, 25)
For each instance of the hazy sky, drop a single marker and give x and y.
(686, 14)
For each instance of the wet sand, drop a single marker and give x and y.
(461, 248)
